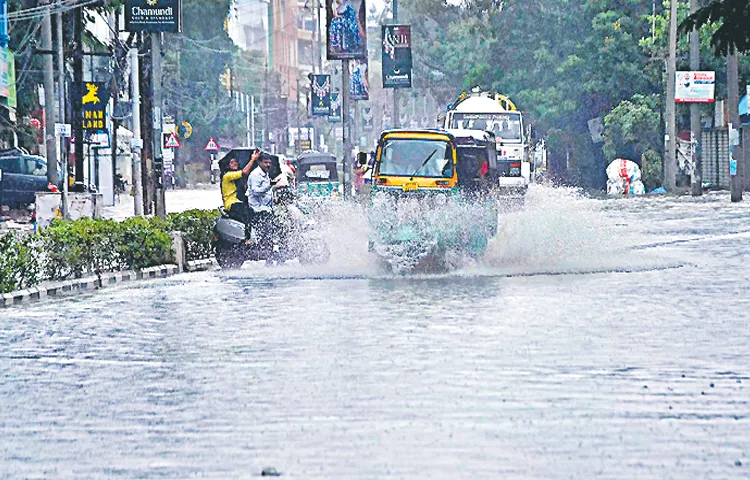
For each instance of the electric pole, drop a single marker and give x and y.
(346, 123)
(146, 127)
(670, 153)
(158, 164)
(695, 115)
(77, 92)
(736, 167)
(135, 98)
(49, 95)
(61, 98)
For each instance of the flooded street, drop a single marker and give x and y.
(598, 339)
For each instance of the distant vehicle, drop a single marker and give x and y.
(494, 112)
(317, 175)
(23, 176)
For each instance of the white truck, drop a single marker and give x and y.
(479, 110)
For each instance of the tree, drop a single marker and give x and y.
(732, 16)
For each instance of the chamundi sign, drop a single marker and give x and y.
(153, 16)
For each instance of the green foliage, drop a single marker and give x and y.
(140, 244)
(75, 248)
(732, 16)
(19, 262)
(197, 231)
(72, 249)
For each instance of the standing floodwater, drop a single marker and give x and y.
(595, 339)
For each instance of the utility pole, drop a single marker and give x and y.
(670, 153)
(135, 97)
(147, 126)
(396, 113)
(695, 115)
(346, 123)
(49, 95)
(61, 100)
(80, 184)
(158, 163)
(114, 19)
(736, 167)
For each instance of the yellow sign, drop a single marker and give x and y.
(94, 99)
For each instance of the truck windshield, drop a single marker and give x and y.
(505, 126)
(421, 158)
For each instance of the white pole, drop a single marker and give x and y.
(252, 118)
(136, 100)
(246, 104)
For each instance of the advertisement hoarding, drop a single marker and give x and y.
(320, 97)
(396, 55)
(695, 87)
(346, 28)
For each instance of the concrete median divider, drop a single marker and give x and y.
(61, 289)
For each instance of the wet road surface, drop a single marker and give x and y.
(599, 339)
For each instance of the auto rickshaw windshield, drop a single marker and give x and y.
(416, 157)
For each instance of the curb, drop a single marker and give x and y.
(65, 288)
(200, 265)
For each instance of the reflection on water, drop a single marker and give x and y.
(345, 372)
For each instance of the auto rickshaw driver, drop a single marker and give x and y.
(236, 208)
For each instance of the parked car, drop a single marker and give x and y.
(23, 176)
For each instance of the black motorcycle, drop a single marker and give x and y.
(293, 237)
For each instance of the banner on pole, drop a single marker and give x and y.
(335, 115)
(320, 100)
(346, 29)
(94, 106)
(359, 84)
(397, 63)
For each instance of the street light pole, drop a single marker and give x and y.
(396, 113)
(670, 153)
(49, 96)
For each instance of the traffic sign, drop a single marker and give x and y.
(212, 146)
(171, 140)
(188, 130)
(64, 130)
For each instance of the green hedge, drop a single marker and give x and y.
(71, 249)
(19, 262)
(197, 227)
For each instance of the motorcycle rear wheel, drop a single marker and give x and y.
(229, 257)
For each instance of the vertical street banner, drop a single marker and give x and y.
(320, 98)
(346, 29)
(397, 65)
(359, 84)
(153, 16)
(335, 115)
(94, 107)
